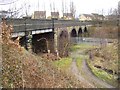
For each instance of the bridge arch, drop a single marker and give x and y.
(73, 33)
(63, 43)
(80, 32)
(43, 42)
(85, 30)
(39, 44)
(86, 33)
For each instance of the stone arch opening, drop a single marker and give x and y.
(39, 44)
(85, 30)
(73, 33)
(86, 33)
(63, 44)
(80, 32)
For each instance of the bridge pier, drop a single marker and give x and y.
(56, 41)
(47, 35)
(29, 41)
(26, 41)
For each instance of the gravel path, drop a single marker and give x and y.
(86, 76)
(78, 75)
(96, 81)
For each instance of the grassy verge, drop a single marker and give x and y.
(79, 61)
(63, 63)
(102, 74)
(80, 47)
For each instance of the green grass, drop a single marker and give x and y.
(79, 61)
(102, 74)
(81, 47)
(63, 63)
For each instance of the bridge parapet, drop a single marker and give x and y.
(20, 25)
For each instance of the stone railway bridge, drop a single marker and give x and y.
(42, 36)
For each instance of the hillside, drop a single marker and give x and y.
(22, 69)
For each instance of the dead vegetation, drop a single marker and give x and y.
(104, 32)
(50, 57)
(106, 57)
(21, 69)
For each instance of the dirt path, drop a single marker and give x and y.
(86, 77)
(78, 75)
(89, 76)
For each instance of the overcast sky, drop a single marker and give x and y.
(82, 6)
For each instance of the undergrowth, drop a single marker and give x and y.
(22, 69)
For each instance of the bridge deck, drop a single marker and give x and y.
(20, 25)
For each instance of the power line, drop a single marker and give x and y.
(8, 3)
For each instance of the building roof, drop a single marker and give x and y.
(93, 16)
(54, 13)
(40, 13)
(111, 17)
(97, 16)
(88, 15)
(68, 14)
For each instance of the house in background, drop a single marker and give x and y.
(97, 16)
(39, 15)
(101, 17)
(86, 17)
(111, 17)
(91, 17)
(55, 15)
(67, 16)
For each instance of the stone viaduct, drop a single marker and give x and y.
(43, 35)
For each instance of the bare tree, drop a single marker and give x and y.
(54, 9)
(27, 8)
(50, 6)
(14, 11)
(38, 5)
(72, 9)
(115, 12)
(44, 5)
(111, 10)
(63, 9)
(119, 7)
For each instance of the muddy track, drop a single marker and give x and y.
(78, 75)
(86, 77)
